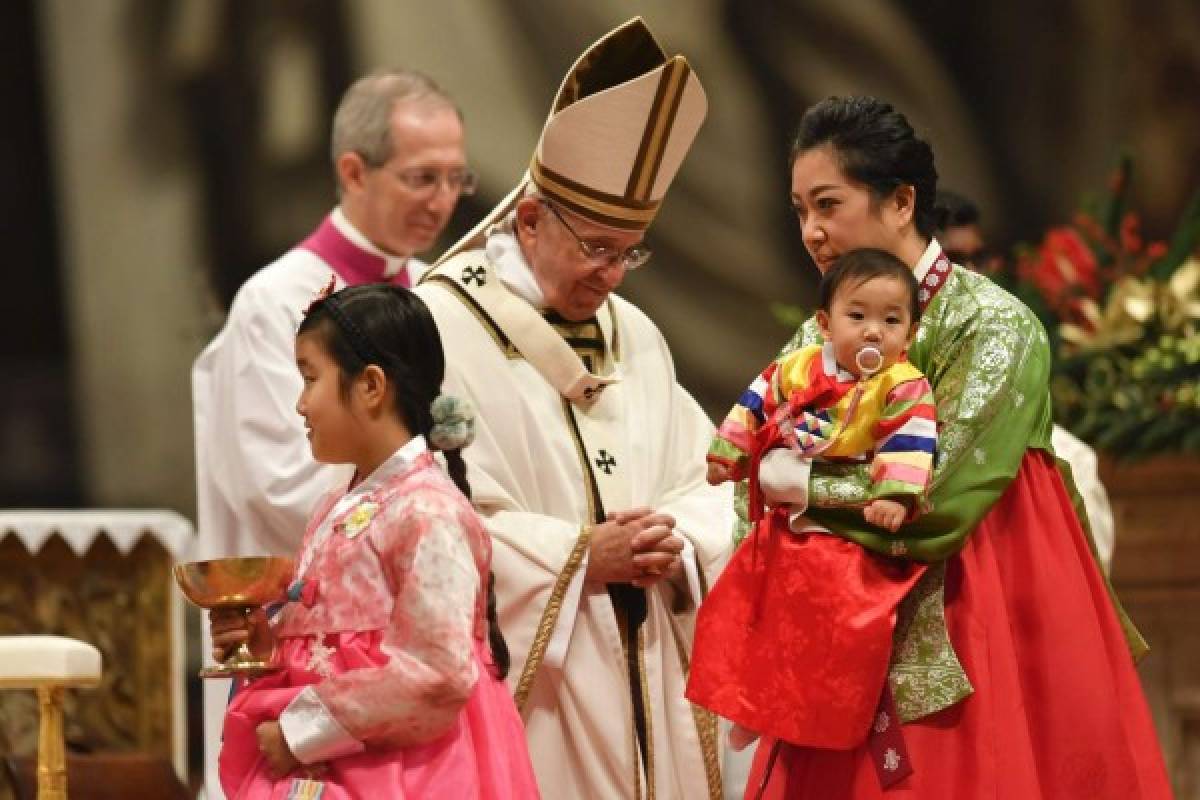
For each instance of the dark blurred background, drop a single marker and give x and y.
(159, 151)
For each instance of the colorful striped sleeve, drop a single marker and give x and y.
(735, 441)
(907, 439)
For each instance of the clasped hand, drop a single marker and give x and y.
(638, 546)
(229, 628)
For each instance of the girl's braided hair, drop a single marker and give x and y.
(391, 327)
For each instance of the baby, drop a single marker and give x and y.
(794, 638)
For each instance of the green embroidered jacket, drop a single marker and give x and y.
(988, 359)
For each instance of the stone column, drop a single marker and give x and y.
(130, 260)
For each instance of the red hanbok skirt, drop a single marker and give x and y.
(482, 757)
(1057, 712)
(793, 641)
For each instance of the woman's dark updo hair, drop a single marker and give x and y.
(391, 327)
(875, 146)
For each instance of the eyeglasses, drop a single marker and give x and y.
(424, 181)
(603, 255)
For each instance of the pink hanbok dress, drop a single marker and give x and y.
(387, 687)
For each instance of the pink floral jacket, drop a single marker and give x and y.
(393, 572)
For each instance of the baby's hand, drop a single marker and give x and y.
(740, 737)
(885, 513)
(718, 473)
(274, 747)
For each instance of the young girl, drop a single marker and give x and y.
(794, 638)
(391, 679)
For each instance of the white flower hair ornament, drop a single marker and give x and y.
(453, 423)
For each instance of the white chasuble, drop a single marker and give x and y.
(557, 446)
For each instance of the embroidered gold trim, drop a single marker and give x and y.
(706, 730)
(705, 720)
(541, 639)
(658, 130)
(615, 346)
(622, 203)
(623, 633)
(651, 130)
(591, 206)
(647, 706)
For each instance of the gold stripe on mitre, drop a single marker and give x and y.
(671, 84)
(611, 210)
(624, 118)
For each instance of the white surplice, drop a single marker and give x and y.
(256, 481)
(1085, 471)
(557, 446)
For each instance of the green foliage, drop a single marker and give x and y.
(1127, 373)
(1123, 317)
(789, 316)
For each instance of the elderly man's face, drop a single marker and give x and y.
(389, 204)
(573, 284)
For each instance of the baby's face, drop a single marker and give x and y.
(874, 313)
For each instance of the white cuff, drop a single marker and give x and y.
(798, 522)
(783, 476)
(691, 570)
(312, 733)
(556, 650)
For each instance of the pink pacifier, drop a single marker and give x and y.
(869, 360)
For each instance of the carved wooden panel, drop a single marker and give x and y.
(1156, 572)
(118, 603)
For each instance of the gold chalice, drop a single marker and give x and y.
(243, 584)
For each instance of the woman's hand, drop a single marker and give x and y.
(229, 628)
(740, 737)
(275, 750)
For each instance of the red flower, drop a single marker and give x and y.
(1131, 233)
(1063, 269)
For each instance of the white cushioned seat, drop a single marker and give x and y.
(27, 662)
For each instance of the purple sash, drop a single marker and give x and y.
(352, 264)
